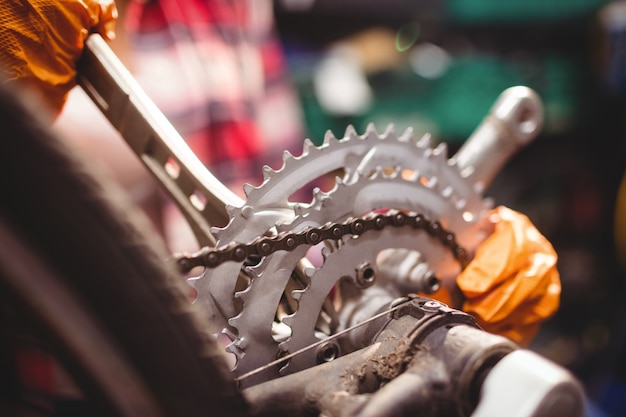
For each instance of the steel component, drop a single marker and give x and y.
(255, 320)
(364, 249)
(200, 196)
(379, 172)
(539, 389)
(327, 351)
(288, 242)
(421, 358)
(365, 275)
(384, 185)
(409, 272)
(310, 299)
(515, 120)
(268, 207)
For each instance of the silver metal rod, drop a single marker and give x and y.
(513, 122)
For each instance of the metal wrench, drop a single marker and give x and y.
(200, 196)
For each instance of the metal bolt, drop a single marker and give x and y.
(365, 275)
(290, 242)
(327, 351)
(431, 306)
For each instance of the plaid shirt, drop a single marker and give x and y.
(216, 69)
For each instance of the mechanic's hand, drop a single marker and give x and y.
(41, 40)
(512, 284)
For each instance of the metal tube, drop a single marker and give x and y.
(513, 122)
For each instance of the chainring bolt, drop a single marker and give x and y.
(327, 352)
(365, 275)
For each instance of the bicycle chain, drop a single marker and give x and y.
(266, 245)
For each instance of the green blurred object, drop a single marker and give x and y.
(451, 106)
(490, 11)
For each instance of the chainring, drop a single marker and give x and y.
(380, 172)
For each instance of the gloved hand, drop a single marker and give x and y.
(41, 41)
(512, 284)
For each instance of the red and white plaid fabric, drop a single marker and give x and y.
(216, 69)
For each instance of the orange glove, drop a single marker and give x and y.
(41, 40)
(512, 284)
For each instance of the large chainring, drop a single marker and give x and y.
(279, 309)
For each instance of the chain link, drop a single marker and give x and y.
(288, 241)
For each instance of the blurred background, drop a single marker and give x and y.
(438, 66)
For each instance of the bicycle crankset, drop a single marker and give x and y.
(296, 296)
(307, 287)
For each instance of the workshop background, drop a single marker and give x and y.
(438, 66)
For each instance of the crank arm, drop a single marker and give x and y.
(200, 196)
(514, 121)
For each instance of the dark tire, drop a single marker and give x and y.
(72, 237)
